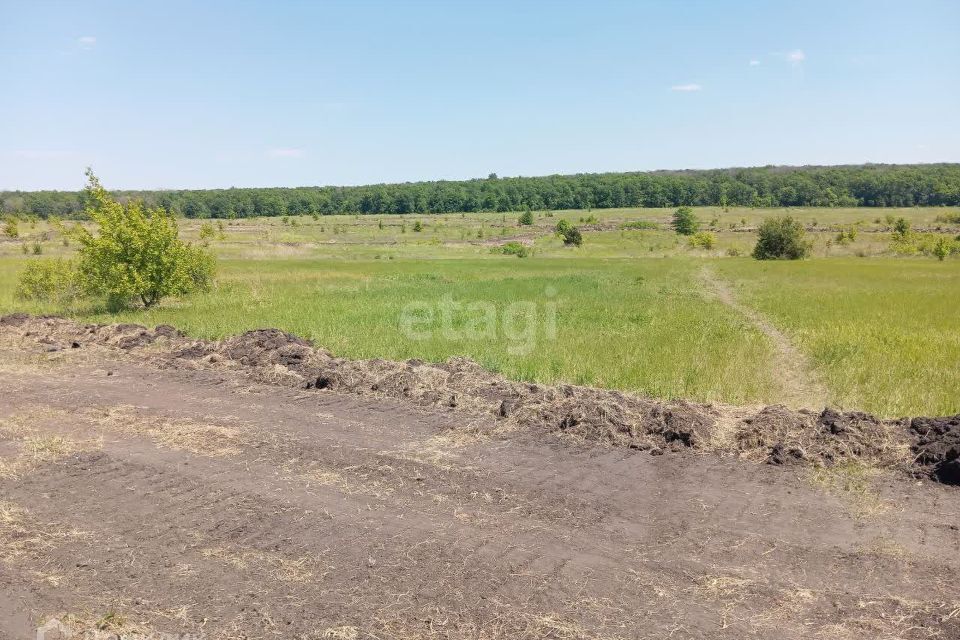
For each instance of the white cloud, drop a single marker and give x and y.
(286, 152)
(754, 63)
(87, 42)
(686, 87)
(796, 56)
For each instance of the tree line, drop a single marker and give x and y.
(833, 186)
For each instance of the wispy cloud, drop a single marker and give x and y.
(796, 56)
(754, 63)
(686, 87)
(87, 42)
(286, 152)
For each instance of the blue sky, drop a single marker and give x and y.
(218, 94)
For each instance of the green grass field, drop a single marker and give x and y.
(629, 307)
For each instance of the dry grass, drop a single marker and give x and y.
(34, 445)
(854, 482)
(21, 535)
(206, 438)
(281, 568)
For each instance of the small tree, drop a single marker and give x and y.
(136, 253)
(781, 239)
(901, 228)
(942, 248)
(685, 221)
(418, 226)
(562, 227)
(526, 218)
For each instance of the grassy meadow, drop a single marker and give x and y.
(627, 310)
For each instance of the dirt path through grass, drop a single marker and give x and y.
(801, 387)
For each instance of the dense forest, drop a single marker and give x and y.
(839, 186)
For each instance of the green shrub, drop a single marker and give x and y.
(48, 281)
(136, 253)
(526, 218)
(207, 232)
(513, 249)
(943, 247)
(781, 239)
(685, 221)
(703, 239)
(417, 226)
(11, 228)
(572, 236)
(950, 218)
(562, 227)
(901, 227)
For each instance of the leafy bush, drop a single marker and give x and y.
(703, 239)
(418, 226)
(526, 218)
(951, 218)
(136, 253)
(781, 239)
(562, 227)
(513, 249)
(572, 236)
(10, 228)
(685, 221)
(48, 281)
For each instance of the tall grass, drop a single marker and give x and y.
(883, 333)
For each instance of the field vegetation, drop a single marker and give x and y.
(876, 324)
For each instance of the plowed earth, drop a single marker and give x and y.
(261, 488)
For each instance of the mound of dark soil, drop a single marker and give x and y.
(774, 434)
(782, 436)
(937, 447)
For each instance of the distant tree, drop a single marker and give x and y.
(685, 221)
(526, 218)
(418, 226)
(781, 239)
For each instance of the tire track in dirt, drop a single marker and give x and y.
(799, 383)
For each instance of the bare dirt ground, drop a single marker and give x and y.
(258, 488)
